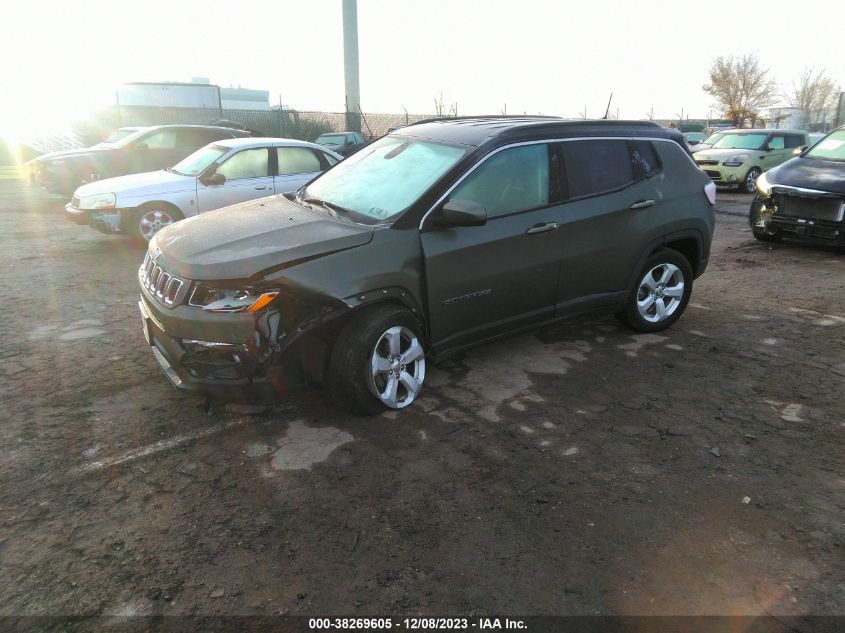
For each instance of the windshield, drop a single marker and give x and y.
(831, 148)
(385, 178)
(331, 139)
(123, 142)
(713, 138)
(741, 141)
(119, 134)
(197, 162)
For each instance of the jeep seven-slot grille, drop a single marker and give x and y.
(168, 289)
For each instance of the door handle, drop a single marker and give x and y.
(641, 204)
(542, 228)
(260, 187)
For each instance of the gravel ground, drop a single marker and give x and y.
(579, 469)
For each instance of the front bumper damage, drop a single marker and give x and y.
(105, 221)
(225, 356)
(803, 214)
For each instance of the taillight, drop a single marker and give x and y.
(710, 192)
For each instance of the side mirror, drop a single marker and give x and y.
(210, 180)
(464, 213)
(141, 147)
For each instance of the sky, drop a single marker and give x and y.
(536, 56)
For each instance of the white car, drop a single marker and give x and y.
(218, 175)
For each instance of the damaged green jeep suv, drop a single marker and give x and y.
(441, 235)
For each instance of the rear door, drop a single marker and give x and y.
(248, 176)
(296, 166)
(487, 279)
(778, 153)
(609, 190)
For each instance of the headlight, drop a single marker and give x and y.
(763, 185)
(231, 299)
(736, 160)
(98, 201)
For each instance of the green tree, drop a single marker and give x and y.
(741, 87)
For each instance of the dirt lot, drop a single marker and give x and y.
(577, 470)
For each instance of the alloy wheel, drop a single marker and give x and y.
(660, 292)
(151, 222)
(397, 367)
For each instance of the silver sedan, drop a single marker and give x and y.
(218, 175)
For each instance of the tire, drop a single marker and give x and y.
(150, 218)
(354, 382)
(748, 185)
(664, 271)
(764, 235)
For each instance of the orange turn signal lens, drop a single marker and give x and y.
(262, 301)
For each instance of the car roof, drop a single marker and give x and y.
(242, 143)
(764, 131)
(475, 131)
(198, 127)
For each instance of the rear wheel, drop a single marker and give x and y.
(661, 293)
(150, 218)
(377, 362)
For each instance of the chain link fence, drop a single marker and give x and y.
(304, 125)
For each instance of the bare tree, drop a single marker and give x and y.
(741, 87)
(814, 92)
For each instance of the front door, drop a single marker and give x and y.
(483, 280)
(247, 174)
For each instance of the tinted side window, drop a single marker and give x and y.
(776, 142)
(249, 163)
(197, 138)
(794, 140)
(644, 161)
(161, 139)
(297, 160)
(331, 160)
(515, 179)
(597, 166)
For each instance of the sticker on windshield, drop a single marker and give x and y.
(830, 143)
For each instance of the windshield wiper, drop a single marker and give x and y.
(334, 208)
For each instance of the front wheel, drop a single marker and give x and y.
(757, 229)
(377, 361)
(151, 218)
(661, 293)
(750, 183)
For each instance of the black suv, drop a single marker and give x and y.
(441, 235)
(805, 197)
(148, 149)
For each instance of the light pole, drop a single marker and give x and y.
(350, 65)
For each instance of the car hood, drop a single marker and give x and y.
(145, 184)
(84, 152)
(243, 240)
(809, 173)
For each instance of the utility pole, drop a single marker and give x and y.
(350, 65)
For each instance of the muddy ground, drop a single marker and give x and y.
(580, 469)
